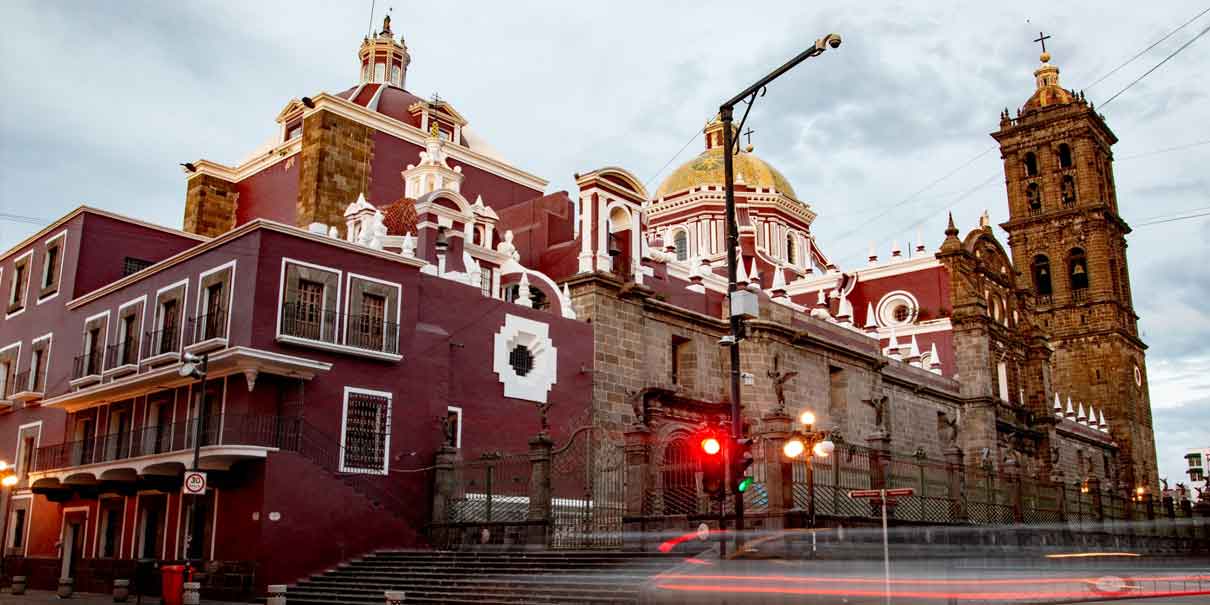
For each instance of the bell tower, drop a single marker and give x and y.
(1069, 246)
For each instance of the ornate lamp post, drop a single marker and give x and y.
(808, 442)
(737, 298)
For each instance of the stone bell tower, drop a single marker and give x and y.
(1069, 245)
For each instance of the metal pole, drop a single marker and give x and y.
(201, 408)
(886, 553)
(725, 112)
(8, 507)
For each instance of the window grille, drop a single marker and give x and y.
(367, 426)
(133, 265)
(310, 307)
(370, 323)
(521, 359)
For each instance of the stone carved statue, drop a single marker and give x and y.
(879, 403)
(507, 247)
(948, 429)
(1164, 483)
(779, 382)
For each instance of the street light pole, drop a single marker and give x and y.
(726, 115)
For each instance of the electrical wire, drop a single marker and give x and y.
(1156, 66)
(1144, 51)
(692, 137)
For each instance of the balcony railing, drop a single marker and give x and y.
(122, 353)
(208, 326)
(1046, 299)
(1079, 295)
(162, 341)
(255, 430)
(304, 320)
(21, 383)
(369, 333)
(88, 364)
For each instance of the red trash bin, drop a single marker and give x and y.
(172, 584)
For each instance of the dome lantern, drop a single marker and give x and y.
(383, 59)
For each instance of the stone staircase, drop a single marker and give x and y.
(485, 578)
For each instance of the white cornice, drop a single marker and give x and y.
(240, 231)
(83, 209)
(250, 167)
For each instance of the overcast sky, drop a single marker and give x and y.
(103, 100)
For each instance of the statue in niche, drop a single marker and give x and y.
(879, 403)
(779, 382)
(947, 429)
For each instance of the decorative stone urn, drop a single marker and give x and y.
(393, 597)
(66, 587)
(121, 591)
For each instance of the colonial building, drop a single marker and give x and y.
(377, 289)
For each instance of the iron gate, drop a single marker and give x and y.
(588, 480)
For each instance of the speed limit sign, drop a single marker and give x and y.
(194, 484)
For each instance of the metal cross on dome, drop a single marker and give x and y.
(1042, 38)
(749, 135)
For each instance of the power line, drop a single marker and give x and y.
(671, 160)
(1172, 220)
(1144, 51)
(1165, 150)
(1157, 66)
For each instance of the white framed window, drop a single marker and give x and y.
(365, 431)
(453, 426)
(898, 308)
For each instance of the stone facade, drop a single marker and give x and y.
(210, 205)
(335, 159)
(1069, 250)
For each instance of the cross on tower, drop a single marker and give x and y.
(749, 135)
(1042, 39)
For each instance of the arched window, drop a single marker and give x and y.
(1041, 271)
(1069, 190)
(790, 251)
(1064, 156)
(681, 242)
(1031, 164)
(1077, 269)
(1033, 195)
(679, 473)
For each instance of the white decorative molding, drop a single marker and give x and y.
(535, 384)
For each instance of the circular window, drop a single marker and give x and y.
(1138, 376)
(521, 360)
(898, 308)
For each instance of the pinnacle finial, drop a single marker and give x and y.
(951, 230)
(386, 25)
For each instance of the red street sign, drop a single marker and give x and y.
(877, 493)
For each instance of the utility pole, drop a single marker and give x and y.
(726, 114)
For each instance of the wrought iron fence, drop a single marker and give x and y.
(368, 332)
(494, 488)
(587, 491)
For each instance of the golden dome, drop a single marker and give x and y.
(707, 169)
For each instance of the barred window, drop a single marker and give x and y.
(370, 322)
(310, 304)
(133, 265)
(485, 282)
(366, 433)
(522, 360)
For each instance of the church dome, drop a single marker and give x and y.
(707, 169)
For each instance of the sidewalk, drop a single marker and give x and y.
(32, 597)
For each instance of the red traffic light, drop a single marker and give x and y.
(711, 446)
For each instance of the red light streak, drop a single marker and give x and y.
(973, 596)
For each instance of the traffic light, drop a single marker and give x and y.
(713, 470)
(741, 461)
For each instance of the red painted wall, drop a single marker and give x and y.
(271, 193)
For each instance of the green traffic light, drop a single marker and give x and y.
(744, 484)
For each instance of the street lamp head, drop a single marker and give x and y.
(191, 366)
(8, 480)
(807, 418)
(3, 466)
(793, 448)
(828, 41)
(823, 449)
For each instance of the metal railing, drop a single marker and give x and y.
(229, 429)
(1079, 294)
(21, 383)
(122, 353)
(164, 340)
(304, 320)
(209, 325)
(88, 364)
